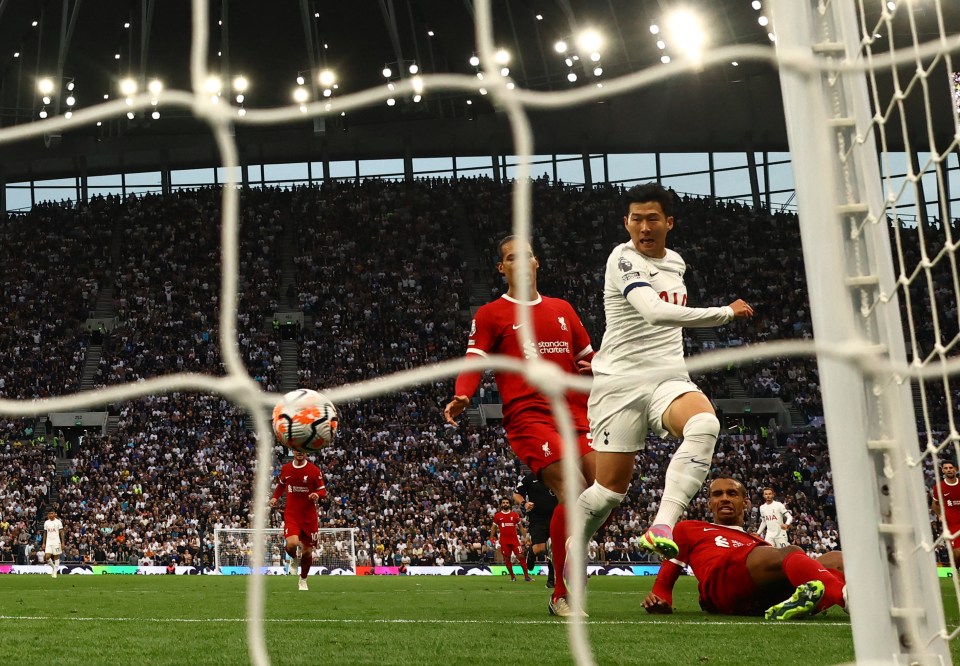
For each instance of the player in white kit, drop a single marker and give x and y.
(640, 379)
(774, 519)
(52, 542)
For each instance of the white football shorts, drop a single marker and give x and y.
(53, 550)
(621, 415)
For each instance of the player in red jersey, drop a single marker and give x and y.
(739, 573)
(506, 523)
(527, 416)
(304, 486)
(946, 496)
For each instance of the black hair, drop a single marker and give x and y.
(504, 241)
(646, 193)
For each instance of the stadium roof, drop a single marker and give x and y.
(96, 44)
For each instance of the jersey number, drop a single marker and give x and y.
(664, 296)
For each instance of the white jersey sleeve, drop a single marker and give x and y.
(645, 302)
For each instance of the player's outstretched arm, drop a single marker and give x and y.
(455, 408)
(654, 604)
(741, 309)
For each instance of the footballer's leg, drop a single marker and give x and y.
(817, 589)
(292, 546)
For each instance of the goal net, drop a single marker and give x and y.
(333, 554)
(870, 96)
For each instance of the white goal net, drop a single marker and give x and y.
(334, 552)
(879, 242)
(870, 95)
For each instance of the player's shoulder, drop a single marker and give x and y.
(686, 528)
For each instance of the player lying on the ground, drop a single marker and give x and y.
(739, 573)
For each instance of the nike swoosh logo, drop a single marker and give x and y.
(709, 529)
(516, 326)
(653, 274)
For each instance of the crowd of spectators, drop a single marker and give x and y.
(380, 281)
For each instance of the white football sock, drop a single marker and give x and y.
(688, 468)
(596, 503)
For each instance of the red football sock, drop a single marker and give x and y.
(801, 569)
(558, 543)
(305, 562)
(523, 562)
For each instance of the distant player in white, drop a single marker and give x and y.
(52, 542)
(640, 378)
(774, 519)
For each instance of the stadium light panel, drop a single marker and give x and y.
(45, 99)
(300, 80)
(43, 113)
(16, 54)
(430, 33)
(155, 115)
(756, 5)
(300, 94)
(417, 84)
(240, 84)
(391, 102)
(654, 29)
(505, 72)
(130, 115)
(763, 20)
(589, 41)
(560, 47)
(68, 115)
(387, 72)
(502, 56)
(213, 85)
(474, 61)
(572, 77)
(70, 86)
(34, 24)
(686, 33)
(128, 87)
(126, 25)
(327, 77)
(71, 100)
(45, 86)
(155, 86)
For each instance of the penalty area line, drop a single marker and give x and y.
(188, 620)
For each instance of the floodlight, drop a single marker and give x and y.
(589, 41)
(474, 61)
(128, 87)
(413, 69)
(560, 47)
(300, 94)
(501, 57)
(327, 77)
(387, 72)
(240, 84)
(155, 86)
(213, 84)
(45, 86)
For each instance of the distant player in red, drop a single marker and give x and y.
(303, 483)
(506, 522)
(527, 416)
(946, 495)
(739, 573)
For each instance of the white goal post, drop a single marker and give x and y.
(835, 121)
(335, 551)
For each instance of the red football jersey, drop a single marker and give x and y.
(949, 498)
(561, 339)
(299, 483)
(507, 522)
(705, 547)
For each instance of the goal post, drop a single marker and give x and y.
(895, 600)
(335, 550)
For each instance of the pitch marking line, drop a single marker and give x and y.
(181, 620)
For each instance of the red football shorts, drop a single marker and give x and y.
(534, 438)
(305, 530)
(510, 548)
(728, 589)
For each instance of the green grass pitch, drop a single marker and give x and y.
(197, 620)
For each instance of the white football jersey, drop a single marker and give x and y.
(772, 515)
(631, 344)
(52, 529)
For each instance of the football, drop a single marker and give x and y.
(305, 420)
